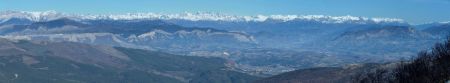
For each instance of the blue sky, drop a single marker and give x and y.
(414, 11)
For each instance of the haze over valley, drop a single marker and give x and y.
(62, 46)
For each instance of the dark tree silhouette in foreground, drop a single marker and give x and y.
(428, 67)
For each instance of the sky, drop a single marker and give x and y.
(413, 11)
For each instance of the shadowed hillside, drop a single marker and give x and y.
(65, 62)
(324, 74)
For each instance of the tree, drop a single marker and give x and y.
(428, 67)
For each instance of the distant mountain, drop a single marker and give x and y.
(385, 36)
(441, 30)
(428, 25)
(127, 33)
(16, 21)
(57, 62)
(388, 41)
(384, 32)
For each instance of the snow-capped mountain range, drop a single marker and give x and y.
(198, 16)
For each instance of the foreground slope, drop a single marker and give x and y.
(64, 62)
(345, 74)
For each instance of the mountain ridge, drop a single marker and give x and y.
(199, 16)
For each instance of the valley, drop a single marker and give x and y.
(201, 47)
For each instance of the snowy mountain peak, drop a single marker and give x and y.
(448, 22)
(198, 16)
(33, 16)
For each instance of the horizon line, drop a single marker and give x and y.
(222, 14)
